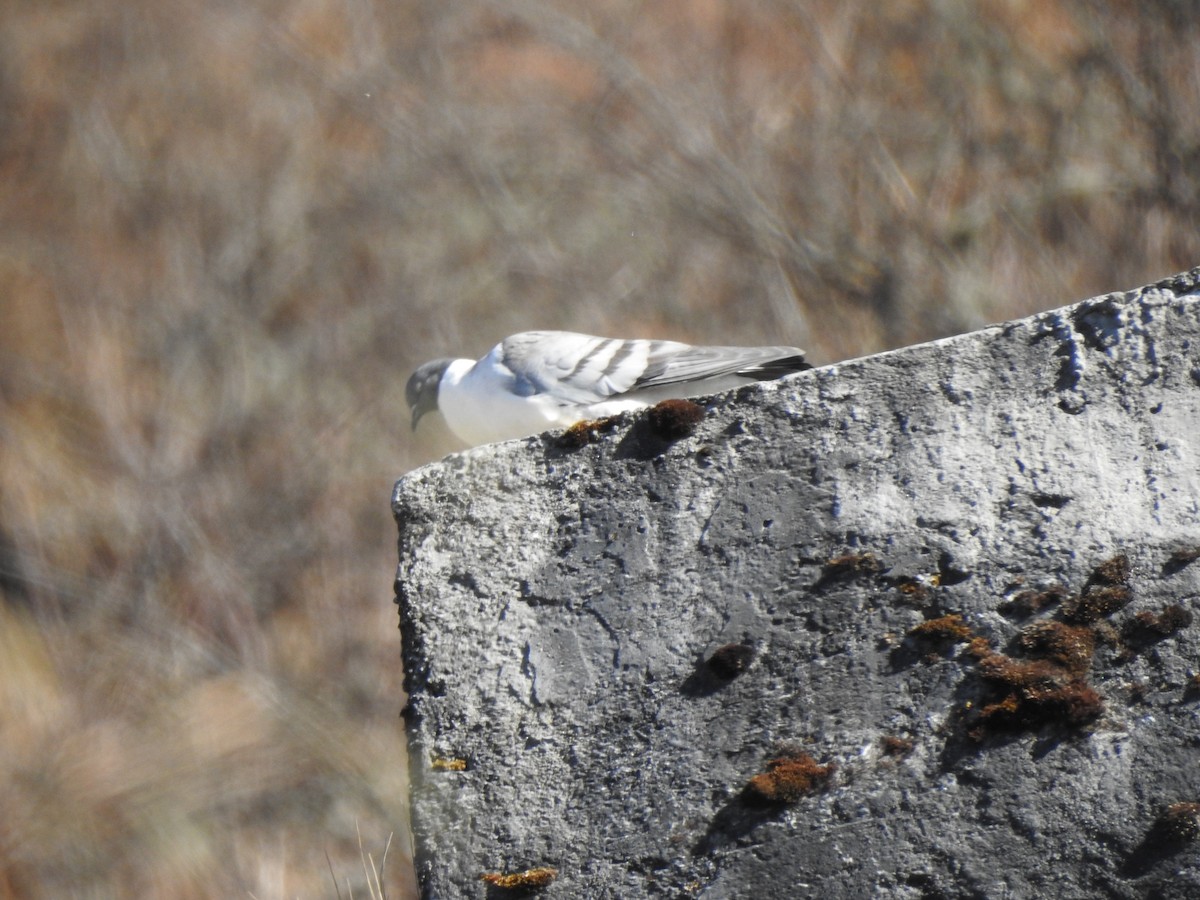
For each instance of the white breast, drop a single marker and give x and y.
(479, 407)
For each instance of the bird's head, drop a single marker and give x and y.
(422, 389)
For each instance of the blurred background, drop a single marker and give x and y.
(231, 229)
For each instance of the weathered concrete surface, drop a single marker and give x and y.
(557, 608)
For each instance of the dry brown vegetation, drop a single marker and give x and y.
(231, 229)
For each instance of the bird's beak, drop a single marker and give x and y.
(426, 403)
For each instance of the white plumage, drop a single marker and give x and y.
(539, 380)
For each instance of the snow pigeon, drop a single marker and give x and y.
(539, 380)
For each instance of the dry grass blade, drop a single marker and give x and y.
(374, 875)
(332, 876)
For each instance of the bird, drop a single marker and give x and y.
(537, 381)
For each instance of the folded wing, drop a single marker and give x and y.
(701, 363)
(580, 368)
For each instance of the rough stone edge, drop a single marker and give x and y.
(1174, 287)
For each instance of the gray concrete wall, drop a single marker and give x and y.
(1039, 480)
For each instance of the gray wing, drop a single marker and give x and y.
(673, 366)
(581, 368)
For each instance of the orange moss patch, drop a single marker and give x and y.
(1096, 604)
(914, 592)
(944, 630)
(895, 746)
(1033, 693)
(1184, 556)
(537, 877)
(1070, 646)
(1074, 703)
(1180, 823)
(1020, 673)
(852, 564)
(1026, 603)
(789, 778)
(586, 432)
(979, 647)
(730, 661)
(675, 419)
(1158, 625)
(1191, 690)
(1112, 571)
(1106, 591)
